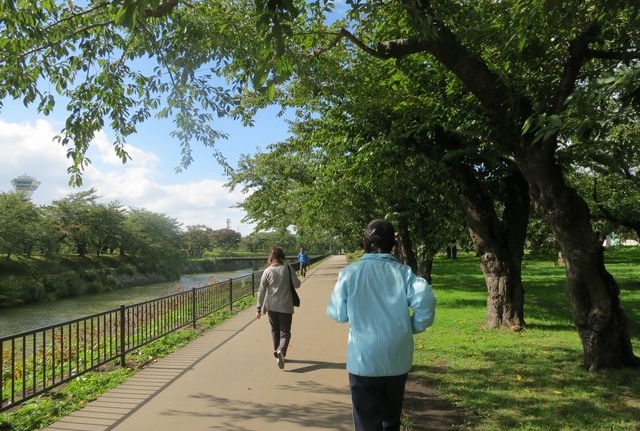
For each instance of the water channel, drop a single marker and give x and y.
(14, 320)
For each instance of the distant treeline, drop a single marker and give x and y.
(77, 245)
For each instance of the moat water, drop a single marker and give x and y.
(22, 318)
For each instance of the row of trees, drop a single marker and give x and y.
(81, 225)
(421, 112)
(415, 109)
(502, 108)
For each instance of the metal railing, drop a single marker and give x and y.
(36, 361)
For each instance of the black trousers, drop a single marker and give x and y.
(377, 402)
(280, 330)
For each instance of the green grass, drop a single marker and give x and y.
(530, 380)
(519, 381)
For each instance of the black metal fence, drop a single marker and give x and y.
(36, 361)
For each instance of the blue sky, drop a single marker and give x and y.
(195, 196)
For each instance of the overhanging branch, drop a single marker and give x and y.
(613, 55)
(165, 8)
(385, 50)
(578, 49)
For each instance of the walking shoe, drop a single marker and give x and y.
(280, 360)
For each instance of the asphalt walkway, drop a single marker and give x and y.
(228, 379)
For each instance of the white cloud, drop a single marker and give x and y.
(27, 148)
(106, 154)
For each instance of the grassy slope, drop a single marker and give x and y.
(531, 380)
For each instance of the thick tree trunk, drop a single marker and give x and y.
(593, 293)
(498, 243)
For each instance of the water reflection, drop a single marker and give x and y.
(26, 317)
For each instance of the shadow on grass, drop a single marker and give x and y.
(512, 392)
(544, 285)
(532, 380)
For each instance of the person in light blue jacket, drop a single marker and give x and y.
(384, 304)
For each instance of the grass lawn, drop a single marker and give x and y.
(533, 379)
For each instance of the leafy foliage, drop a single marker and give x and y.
(20, 221)
(225, 239)
(120, 63)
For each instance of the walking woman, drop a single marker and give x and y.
(374, 295)
(275, 300)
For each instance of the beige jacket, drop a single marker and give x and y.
(274, 293)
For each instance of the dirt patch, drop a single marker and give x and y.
(426, 410)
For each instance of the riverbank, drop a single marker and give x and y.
(38, 279)
(26, 317)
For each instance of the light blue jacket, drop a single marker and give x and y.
(375, 296)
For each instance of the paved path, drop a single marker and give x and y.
(228, 379)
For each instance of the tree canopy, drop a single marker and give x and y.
(528, 85)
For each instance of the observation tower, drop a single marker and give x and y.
(25, 184)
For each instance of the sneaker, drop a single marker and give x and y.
(280, 360)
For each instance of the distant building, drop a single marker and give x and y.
(26, 184)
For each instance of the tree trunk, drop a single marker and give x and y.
(501, 266)
(498, 243)
(425, 267)
(452, 251)
(420, 258)
(81, 249)
(404, 246)
(593, 293)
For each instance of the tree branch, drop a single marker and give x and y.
(578, 49)
(503, 106)
(68, 36)
(163, 9)
(612, 55)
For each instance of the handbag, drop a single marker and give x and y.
(294, 294)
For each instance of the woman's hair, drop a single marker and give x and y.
(276, 255)
(379, 237)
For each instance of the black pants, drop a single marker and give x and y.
(280, 330)
(377, 402)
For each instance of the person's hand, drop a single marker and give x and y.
(258, 314)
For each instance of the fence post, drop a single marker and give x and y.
(253, 283)
(231, 294)
(194, 312)
(123, 347)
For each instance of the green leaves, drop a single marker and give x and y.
(132, 10)
(127, 15)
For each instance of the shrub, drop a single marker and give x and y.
(63, 285)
